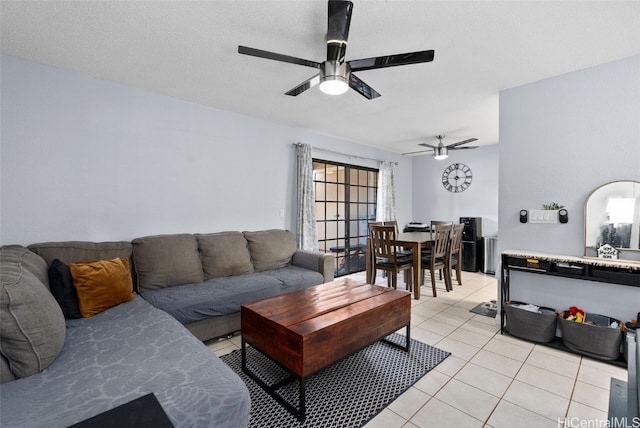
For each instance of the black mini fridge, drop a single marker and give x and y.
(472, 254)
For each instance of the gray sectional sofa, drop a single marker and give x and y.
(189, 288)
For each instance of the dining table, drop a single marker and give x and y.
(414, 240)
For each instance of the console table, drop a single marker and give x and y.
(619, 272)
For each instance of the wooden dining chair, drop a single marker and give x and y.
(426, 252)
(435, 223)
(454, 258)
(393, 223)
(386, 256)
(436, 260)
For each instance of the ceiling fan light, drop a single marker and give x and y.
(440, 153)
(334, 85)
(334, 77)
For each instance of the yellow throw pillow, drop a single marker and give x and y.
(101, 285)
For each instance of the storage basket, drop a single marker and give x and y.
(533, 326)
(591, 340)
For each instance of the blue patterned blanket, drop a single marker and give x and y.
(121, 354)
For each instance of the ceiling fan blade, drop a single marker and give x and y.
(338, 23)
(428, 145)
(277, 57)
(391, 60)
(459, 143)
(362, 88)
(419, 151)
(463, 148)
(304, 86)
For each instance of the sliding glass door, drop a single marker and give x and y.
(345, 204)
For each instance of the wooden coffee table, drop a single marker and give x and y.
(308, 330)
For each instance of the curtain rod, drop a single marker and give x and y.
(344, 154)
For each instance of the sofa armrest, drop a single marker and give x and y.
(318, 262)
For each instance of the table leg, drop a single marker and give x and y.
(302, 401)
(417, 271)
(243, 353)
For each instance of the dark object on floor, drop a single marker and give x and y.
(145, 411)
(346, 394)
(488, 309)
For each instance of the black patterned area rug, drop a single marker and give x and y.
(346, 394)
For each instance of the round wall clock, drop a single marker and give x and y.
(457, 177)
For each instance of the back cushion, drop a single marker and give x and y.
(81, 251)
(271, 249)
(32, 328)
(224, 254)
(166, 260)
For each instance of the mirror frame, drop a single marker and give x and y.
(627, 254)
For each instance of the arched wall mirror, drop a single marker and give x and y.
(612, 216)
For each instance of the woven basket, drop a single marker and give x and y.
(536, 327)
(591, 340)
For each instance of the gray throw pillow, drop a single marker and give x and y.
(271, 249)
(6, 375)
(166, 260)
(224, 254)
(32, 328)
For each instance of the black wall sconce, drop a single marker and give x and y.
(524, 216)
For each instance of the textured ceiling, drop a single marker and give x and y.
(188, 50)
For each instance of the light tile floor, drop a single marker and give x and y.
(490, 380)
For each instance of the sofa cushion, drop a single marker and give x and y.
(271, 249)
(61, 286)
(213, 297)
(6, 375)
(102, 284)
(81, 251)
(224, 254)
(32, 328)
(36, 265)
(166, 260)
(295, 277)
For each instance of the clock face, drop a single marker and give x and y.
(457, 177)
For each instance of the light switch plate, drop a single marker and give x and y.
(543, 216)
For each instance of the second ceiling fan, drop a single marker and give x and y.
(335, 74)
(441, 151)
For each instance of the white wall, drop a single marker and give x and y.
(433, 202)
(86, 159)
(560, 139)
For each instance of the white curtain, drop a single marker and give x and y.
(306, 232)
(386, 203)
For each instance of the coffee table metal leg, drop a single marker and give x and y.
(243, 353)
(303, 410)
(272, 389)
(407, 340)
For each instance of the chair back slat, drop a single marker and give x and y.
(441, 238)
(456, 238)
(383, 241)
